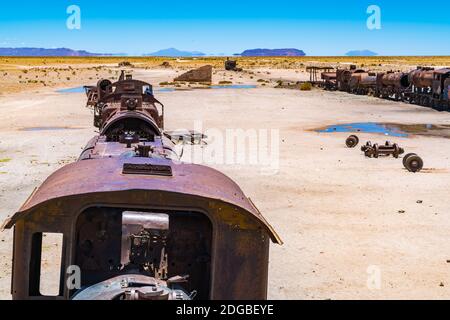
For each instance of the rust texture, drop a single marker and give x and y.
(138, 223)
(231, 65)
(376, 150)
(422, 86)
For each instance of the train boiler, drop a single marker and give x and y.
(392, 85)
(344, 77)
(422, 86)
(362, 83)
(441, 90)
(135, 222)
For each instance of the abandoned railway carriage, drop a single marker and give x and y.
(423, 86)
(137, 224)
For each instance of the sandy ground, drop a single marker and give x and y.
(345, 220)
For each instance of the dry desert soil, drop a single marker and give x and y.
(343, 218)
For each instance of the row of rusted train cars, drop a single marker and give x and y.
(423, 86)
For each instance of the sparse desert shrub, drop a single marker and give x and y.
(306, 86)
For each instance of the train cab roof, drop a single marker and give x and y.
(138, 182)
(442, 71)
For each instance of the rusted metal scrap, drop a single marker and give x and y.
(412, 162)
(392, 85)
(137, 222)
(352, 141)
(376, 150)
(329, 80)
(231, 65)
(423, 86)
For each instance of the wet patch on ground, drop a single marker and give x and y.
(234, 86)
(49, 128)
(390, 129)
(163, 90)
(72, 90)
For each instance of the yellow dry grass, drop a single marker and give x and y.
(29, 73)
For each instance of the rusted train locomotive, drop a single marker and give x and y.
(136, 223)
(423, 86)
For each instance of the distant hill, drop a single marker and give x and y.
(172, 52)
(42, 52)
(361, 53)
(291, 52)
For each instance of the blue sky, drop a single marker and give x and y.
(322, 27)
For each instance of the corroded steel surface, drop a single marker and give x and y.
(131, 169)
(421, 78)
(424, 86)
(99, 176)
(395, 79)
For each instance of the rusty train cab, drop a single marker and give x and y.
(127, 221)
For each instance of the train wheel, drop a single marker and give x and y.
(352, 141)
(413, 163)
(396, 150)
(375, 150)
(406, 157)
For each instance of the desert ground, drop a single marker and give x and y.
(343, 218)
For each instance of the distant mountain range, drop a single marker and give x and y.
(291, 52)
(172, 52)
(42, 52)
(361, 53)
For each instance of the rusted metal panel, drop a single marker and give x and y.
(106, 175)
(130, 175)
(421, 78)
(395, 79)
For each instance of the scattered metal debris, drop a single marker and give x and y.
(412, 162)
(376, 150)
(352, 141)
(231, 65)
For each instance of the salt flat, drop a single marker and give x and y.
(341, 216)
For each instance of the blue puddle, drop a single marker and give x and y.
(72, 90)
(164, 90)
(82, 90)
(48, 128)
(235, 86)
(231, 86)
(367, 127)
